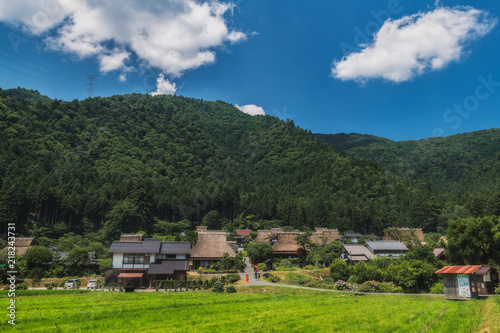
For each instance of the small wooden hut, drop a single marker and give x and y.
(460, 282)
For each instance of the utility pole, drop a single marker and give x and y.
(91, 83)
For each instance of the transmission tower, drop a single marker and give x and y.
(91, 83)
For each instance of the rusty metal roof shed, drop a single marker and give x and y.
(459, 269)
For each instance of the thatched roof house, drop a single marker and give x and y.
(210, 248)
(131, 238)
(22, 245)
(263, 236)
(323, 236)
(407, 236)
(286, 245)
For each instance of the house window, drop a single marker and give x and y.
(133, 258)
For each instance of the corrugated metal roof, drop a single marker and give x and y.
(459, 269)
(484, 269)
(130, 275)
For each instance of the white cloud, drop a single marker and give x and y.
(172, 35)
(416, 44)
(252, 109)
(164, 87)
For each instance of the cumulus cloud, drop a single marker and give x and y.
(172, 35)
(416, 44)
(164, 86)
(252, 109)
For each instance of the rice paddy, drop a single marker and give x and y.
(255, 309)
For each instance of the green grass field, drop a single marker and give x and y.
(255, 309)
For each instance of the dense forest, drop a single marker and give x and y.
(132, 163)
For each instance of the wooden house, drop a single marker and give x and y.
(352, 236)
(354, 253)
(387, 249)
(209, 249)
(137, 263)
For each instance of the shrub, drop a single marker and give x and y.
(22, 286)
(230, 289)
(437, 288)
(50, 285)
(390, 287)
(218, 287)
(309, 267)
(339, 270)
(273, 278)
(497, 290)
(286, 263)
(370, 287)
(262, 267)
(342, 285)
(233, 277)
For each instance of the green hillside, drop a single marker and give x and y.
(102, 166)
(464, 162)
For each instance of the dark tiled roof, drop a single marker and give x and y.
(352, 235)
(484, 269)
(175, 247)
(386, 246)
(169, 266)
(149, 245)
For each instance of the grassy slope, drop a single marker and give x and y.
(253, 308)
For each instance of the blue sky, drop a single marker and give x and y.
(403, 70)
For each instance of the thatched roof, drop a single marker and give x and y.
(211, 245)
(323, 236)
(131, 238)
(406, 236)
(286, 243)
(262, 236)
(22, 244)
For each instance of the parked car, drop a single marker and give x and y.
(72, 284)
(93, 284)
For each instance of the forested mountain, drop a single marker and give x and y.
(127, 163)
(462, 163)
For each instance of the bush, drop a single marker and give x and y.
(233, 277)
(390, 287)
(370, 287)
(218, 287)
(342, 285)
(273, 278)
(339, 270)
(286, 263)
(231, 289)
(309, 267)
(22, 286)
(497, 290)
(50, 285)
(437, 288)
(262, 267)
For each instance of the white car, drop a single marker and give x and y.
(72, 284)
(93, 284)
